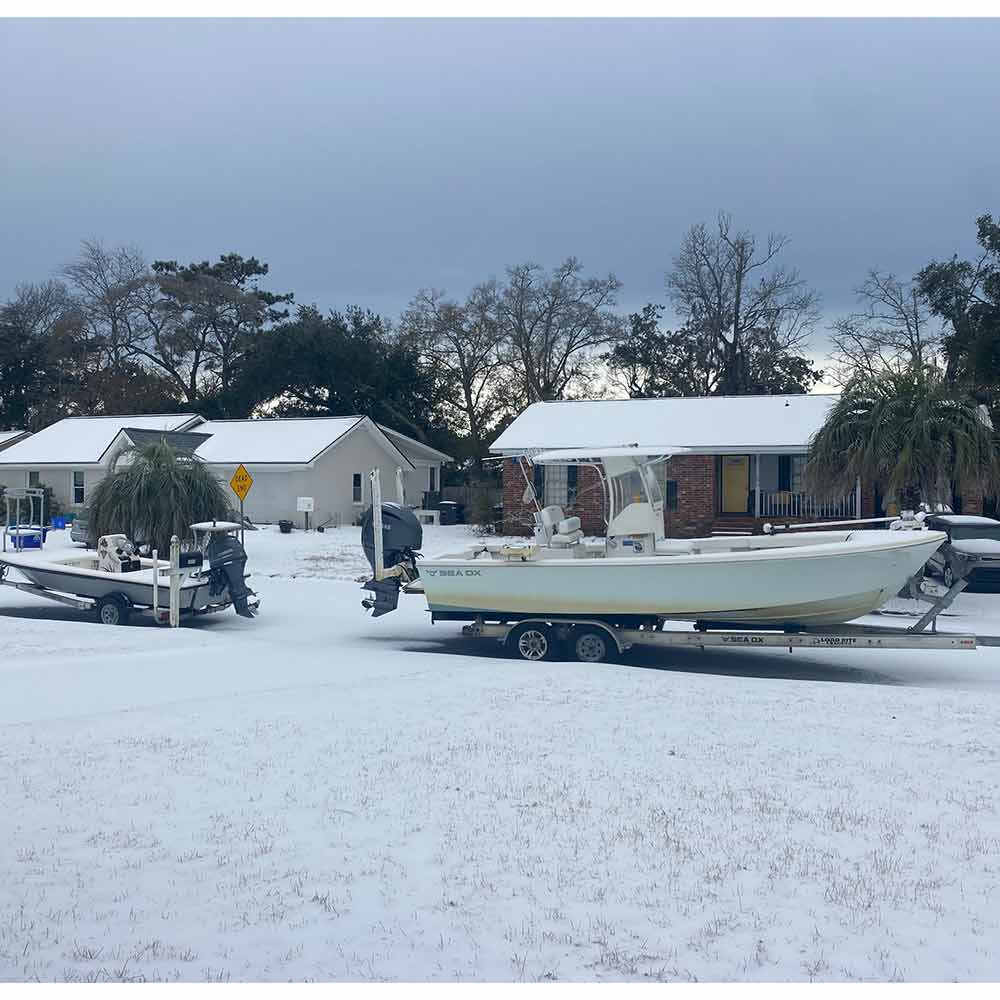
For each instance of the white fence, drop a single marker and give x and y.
(785, 503)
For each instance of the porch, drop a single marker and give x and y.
(762, 486)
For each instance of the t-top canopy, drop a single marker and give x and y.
(571, 456)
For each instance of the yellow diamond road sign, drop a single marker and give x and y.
(241, 482)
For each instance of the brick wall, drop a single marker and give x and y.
(694, 474)
(696, 504)
(697, 510)
(517, 515)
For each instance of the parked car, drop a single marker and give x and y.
(967, 534)
(79, 532)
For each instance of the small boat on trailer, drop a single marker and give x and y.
(116, 583)
(601, 596)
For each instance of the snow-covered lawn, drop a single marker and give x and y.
(317, 795)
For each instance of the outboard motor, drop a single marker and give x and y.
(402, 537)
(227, 560)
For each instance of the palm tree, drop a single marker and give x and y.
(912, 431)
(154, 491)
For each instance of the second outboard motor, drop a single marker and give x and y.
(227, 560)
(402, 537)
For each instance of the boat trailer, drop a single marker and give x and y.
(113, 609)
(593, 640)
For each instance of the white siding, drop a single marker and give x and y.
(328, 482)
(61, 481)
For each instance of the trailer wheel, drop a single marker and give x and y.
(113, 611)
(593, 645)
(948, 576)
(532, 642)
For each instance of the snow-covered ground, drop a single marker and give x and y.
(318, 795)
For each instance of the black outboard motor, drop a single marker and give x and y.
(227, 560)
(402, 537)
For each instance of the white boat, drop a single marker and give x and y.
(115, 580)
(636, 574)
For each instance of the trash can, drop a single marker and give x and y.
(448, 512)
(285, 527)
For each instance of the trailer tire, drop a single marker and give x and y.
(532, 642)
(593, 645)
(113, 610)
(948, 576)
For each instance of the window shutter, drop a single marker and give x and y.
(784, 472)
(670, 494)
(539, 483)
(571, 477)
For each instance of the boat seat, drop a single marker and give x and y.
(567, 533)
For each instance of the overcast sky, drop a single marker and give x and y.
(364, 160)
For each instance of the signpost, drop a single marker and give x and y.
(241, 484)
(305, 505)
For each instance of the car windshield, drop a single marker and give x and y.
(965, 531)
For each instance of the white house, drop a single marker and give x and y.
(326, 458)
(73, 455)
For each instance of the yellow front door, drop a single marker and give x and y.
(735, 483)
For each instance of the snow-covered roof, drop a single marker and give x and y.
(280, 441)
(701, 424)
(84, 440)
(6, 436)
(413, 448)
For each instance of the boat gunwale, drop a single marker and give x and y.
(830, 550)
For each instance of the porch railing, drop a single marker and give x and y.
(786, 503)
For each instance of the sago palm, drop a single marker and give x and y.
(913, 432)
(155, 491)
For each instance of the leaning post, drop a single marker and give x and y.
(175, 582)
(376, 482)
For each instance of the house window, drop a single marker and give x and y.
(798, 472)
(356, 488)
(556, 484)
(34, 480)
(790, 470)
(432, 479)
(552, 485)
(78, 490)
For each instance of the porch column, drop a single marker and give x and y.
(756, 486)
(857, 497)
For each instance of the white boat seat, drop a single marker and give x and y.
(560, 541)
(550, 517)
(567, 533)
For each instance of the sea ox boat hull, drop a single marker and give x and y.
(819, 583)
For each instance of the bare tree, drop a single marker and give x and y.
(890, 333)
(462, 343)
(111, 285)
(553, 325)
(731, 290)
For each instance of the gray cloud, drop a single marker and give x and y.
(365, 159)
